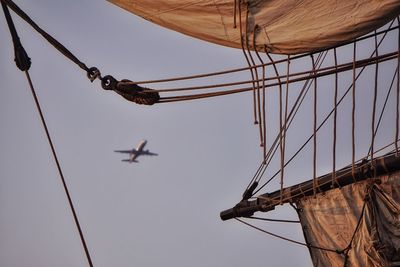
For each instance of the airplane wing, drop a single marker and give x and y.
(126, 151)
(148, 153)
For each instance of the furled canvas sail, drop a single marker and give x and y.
(287, 27)
(360, 220)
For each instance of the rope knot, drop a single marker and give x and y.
(135, 93)
(130, 91)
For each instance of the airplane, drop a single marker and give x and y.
(134, 153)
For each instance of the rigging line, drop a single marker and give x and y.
(383, 108)
(234, 13)
(265, 164)
(374, 106)
(294, 109)
(201, 87)
(23, 62)
(341, 99)
(263, 120)
(59, 170)
(216, 73)
(296, 106)
(308, 140)
(62, 49)
(21, 59)
(260, 119)
(275, 146)
(250, 67)
(285, 238)
(388, 145)
(292, 113)
(303, 75)
(280, 116)
(314, 131)
(334, 122)
(257, 89)
(286, 105)
(200, 96)
(398, 90)
(274, 201)
(271, 220)
(285, 128)
(264, 111)
(302, 147)
(353, 111)
(347, 249)
(361, 64)
(72, 57)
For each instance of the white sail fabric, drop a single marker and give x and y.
(329, 220)
(286, 27)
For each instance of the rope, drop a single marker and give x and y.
(22, 59)
(383, 109)
(286, 239)
(262, 172)
(23, 63)
(291, 116)
(71, 205)
(361, 63)
(284, 128)
(234, 13)
(263, 119)
(334, 123)
(260, 118)
(250, 67)
(57, 45)
(303, 75)
(314, 131)
(216, 73)
(374, 106)
(280, 117)
(273, 201)
(272, 220)
(353, 111)
(327, 117)
(286, 106)
(263, 166)
(347, 249)
(130, 91)
(261, 169)
(256, 92)
(345, 67)
(398, 90)
(68, 54)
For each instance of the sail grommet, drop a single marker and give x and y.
(108, 82)
(93, 73)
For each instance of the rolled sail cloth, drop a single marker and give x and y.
(280, 26)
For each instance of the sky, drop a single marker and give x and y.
(163, 211)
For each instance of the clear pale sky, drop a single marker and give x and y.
(163, 211)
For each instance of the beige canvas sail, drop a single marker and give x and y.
(286, 27)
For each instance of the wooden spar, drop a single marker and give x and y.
(266, 202)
